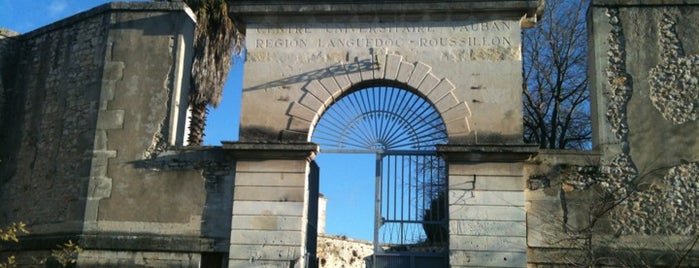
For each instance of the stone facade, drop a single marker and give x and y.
(634, 199)
(330, 53)
(93, 112)
(468, 67)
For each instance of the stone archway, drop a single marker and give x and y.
(319, 94)
(399, 130)
(462, 57)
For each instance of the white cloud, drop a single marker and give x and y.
(57, 7)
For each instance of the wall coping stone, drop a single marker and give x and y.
(592, 153)
(271, 150)
(250, 9)
(643, 2)
(111, 7)
(487, 152)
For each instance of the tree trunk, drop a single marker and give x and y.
(197, 123)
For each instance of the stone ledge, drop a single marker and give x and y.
(128, 242)
(251, 9)
(643, 2)
(271, 150)
(111, 7)
(487, 153)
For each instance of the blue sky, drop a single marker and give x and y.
(348, 187)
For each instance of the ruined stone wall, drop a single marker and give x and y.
(98, 105)
(342, 252)
(48, 140)
(641, 197)
(143, 64)
(8, 50)
(94, 94)
(650, 78)
(558, 205)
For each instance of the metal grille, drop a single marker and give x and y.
(413, 203)
(411, 229)
(401, 129)
(380, 118)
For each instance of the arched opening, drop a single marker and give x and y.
(395, 131)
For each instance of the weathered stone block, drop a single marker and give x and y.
(266, 237)
(405, 71)
(272, 179)
(487, 259)
(100, 187)
(267, 208)
(113, 70)
(267, 222)
(419, 73)
(283, 166)
(473, 212)
(479, 197)
(488, 228)
(111, 119)
(263, 253)
(393, 64)
(482, 169)
(267, 193)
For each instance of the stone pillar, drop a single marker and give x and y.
(322, 212)
(487, 212)
(270, 204)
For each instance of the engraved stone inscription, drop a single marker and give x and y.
(341, 36)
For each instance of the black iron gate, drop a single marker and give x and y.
(401, 129)
(411, 211)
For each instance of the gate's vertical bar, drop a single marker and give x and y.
(403, 233)
(377, 207)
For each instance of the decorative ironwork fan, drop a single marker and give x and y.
(380, 119)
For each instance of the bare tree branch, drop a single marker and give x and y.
(555, 88)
